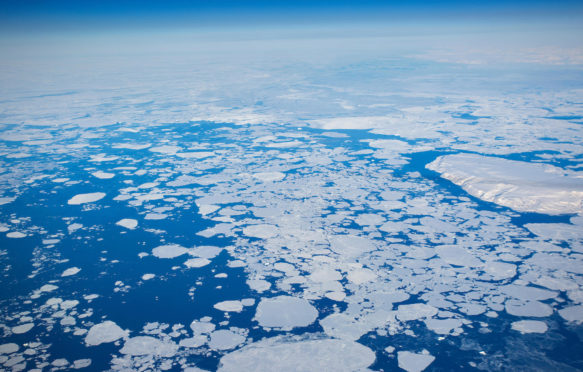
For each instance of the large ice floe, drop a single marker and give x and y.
(522, 186)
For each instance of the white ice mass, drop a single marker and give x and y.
(299, 356)
(86, 198)
(522, 186)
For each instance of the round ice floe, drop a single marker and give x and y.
(71, 271)
(128, 223)
(169, 251)
(572, 314)
(313, 355)
(415, 311)
(258, 285)
(530, 326)
(269, 176)
(412, 362)
(104, 332)
(285, 312)
(262, 231)
(200, 327)
(146, 345)
(528, 308)
(197, 262)
(225, 340)
(229, 306)
(86, 198)
(8, 348)
(22, 328)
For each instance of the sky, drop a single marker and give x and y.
(51, 15)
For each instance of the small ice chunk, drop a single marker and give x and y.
(103, 175)
(530, 326)
(128, 223)
(285, 312)
(572, 314)
(86, 198)
(48, 288)
(169, 251)
(22, 328)
(229, 306)
(148, 276)
(104, 332)
(74, 227)
(146, 345)
(197, 262)
(155, 216)
(412, 362)
(15, 235)
(81, 363)
(71, 271)
(225, 340)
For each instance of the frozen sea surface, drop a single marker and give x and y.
(347, 213)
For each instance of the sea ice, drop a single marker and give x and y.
(299, 356)
(169, 251)
(412, 362)
(86, 198)
(229, 306)
(522, 186)
(196, 262)
(128, 223)
(104, 332)
(22, 328)
(415, 311)
(269, 176)
(15, 235)
(71, 271)
(572, 314)
(285, 312)
(530, 326)
(225, 340)
(103, 175)
(146, 345)
(262, 231)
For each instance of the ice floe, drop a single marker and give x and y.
(169, 251)
(128, 223)
(299, 356)
(530, 326)
(225, 340)
(104, 332)
(285, 312)
(413, 362)
(522, 186)
(147, 345)
(86, 198)
(71, 271)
